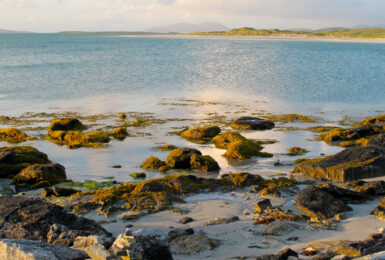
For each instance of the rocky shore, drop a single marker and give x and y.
(329, 207)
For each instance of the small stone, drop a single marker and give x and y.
(186, 220)
(262, 205)
(117, 166)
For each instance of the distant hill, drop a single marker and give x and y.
(369, 26)
(107, 32)
(12, 31)
(330, 32)
(189, 28)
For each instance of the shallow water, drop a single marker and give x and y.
(189, 79)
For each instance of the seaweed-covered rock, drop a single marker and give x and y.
(373, 120)
(379, 211)
(52, 174)
(320, 204)
(138, 175)
(242, 179)
(58, 192)
(153, 163)
(12, 249)
(33, 219)
(13, 135)
(203, 163)
(66, 124)
(351, 134)
(262, 205)
(141, 247)
(119, 133)
(294, 151)
(238, 147)
(16, 158)
(180, 158)
(350, 164)
(252, 123)
(201, 134)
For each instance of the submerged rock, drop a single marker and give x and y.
(66, 124)
(201, 134)
(350, 164)
(120, 133)
(41, 174)
(320, 204)
(33, 219)
(16, 158)
(141, 247)
(12, 249)
(252, 123)
(13, 135)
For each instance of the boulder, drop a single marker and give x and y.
(252, 123)
(379, 211)
(16, 158)
(66, 124)
(379, 140)
(33, 219)
(52, 174)
(153, 163)
(262, 205)
(187, 242)
(204, 163)
(12, 249)
(99, 252)
(180, 158)
(201, 134)
(119, 133)
(141, 247)
(320, 204)
(87, 241)
(341, 134)
(348, 165)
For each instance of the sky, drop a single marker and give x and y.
(136, 15)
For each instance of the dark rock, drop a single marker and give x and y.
(53, 173)
(58, 192)
(292, 239)
(176, 233)
(12, 249)
(262, 205)
(285, 253)
(186, 220)
(33, 219)
(203, 163)
(16, 158)
(346, 195)
(66, 124)
(180, 158)
(143, 247)
(252, 123)
(219, 221)
(379, 140)
(350, 164)
(320, 204)
(202, 134)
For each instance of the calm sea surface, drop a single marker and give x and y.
(173, 77)
(46, 67)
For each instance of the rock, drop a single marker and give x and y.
(203, 163)
(33, 219)
(242, 179)
(87, 241)
(345, 195)
(379, 211)
(238, 147)
(177, 233)
(119, 133)
(66, 124)
(218, 221)
(153, 163)
(16, 158)
(189, 243)
(350, 164)
(167, 147)
(270, 215)
(58, 192)
(373, 120)
(11, 249)
(279, 228)
(98, 252)
(379, 140)
(351, 134)
(13, 135)
(262, 205)
(286, 253)
(252, 123)
(294, 151)
(320, 204)
(186, 220)
(180, 158)
(141, 247)
(201, 134)
(138, 175)
(53, 173)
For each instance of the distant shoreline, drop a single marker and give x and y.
(279, 38)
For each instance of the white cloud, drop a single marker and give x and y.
(141, 14)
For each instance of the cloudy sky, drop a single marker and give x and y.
(94, 15)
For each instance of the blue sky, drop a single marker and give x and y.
(94, 15)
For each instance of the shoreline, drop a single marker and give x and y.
(258, 38)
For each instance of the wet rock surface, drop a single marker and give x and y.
(350, 164)
(16, 158)
(12, 249)
(33, 219)
(201, 134)
(252, 123)
(379, 211)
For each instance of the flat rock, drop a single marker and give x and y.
(320, 204)
(12, 249)
(185, 242)
(252, 123)
(33, 219)
(348, 165)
